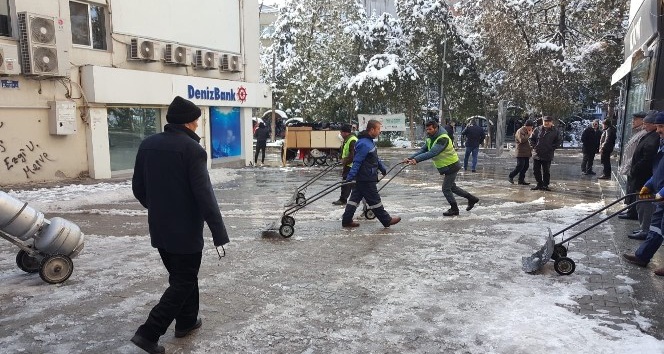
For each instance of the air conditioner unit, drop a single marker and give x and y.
(9, 60)
(42, 47)
(206, 60)
(143, 49)
(176, 54)
(235, 63)
(224, 63)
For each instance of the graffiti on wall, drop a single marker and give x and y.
(30, 158)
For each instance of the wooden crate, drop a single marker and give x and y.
(303, 139)
(332, 139)
(318, 139)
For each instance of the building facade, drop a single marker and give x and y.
(83, 82)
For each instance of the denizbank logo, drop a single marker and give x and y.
(216, 94)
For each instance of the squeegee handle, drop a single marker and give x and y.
(599, 211)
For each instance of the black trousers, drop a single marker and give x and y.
(605, 159)
(346, 188)
(522, 164)
(587, 162)
(542, 172)
(260, 146)
(369, 192)
(180, 300)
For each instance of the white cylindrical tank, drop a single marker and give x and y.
(60, 236)
(18, 219)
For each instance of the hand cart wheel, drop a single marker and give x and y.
(369, 214)
(309, 160)
(559, 251)
(26, 262)
(286, 231)
(564, 266)
(56, 268)
(287, 220)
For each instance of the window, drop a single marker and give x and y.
(88, 25)
(4, 18)
(127, 127)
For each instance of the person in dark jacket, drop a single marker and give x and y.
(261, 135)
(523, 153)
(606, 144)
(654, 185)
(364, 172)
(171, 180)
(438, 147)
(544, 140)
(474, 137)
(347, 156)
(641, 169)
(590, 140)
(637, 133)
(449, 128)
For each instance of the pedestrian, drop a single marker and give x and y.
(641, 170)
(347, 155)
(544, 140)
(438, 147)
(474, 137)
(655, 185)
(606, 145)
(632, 186)
(523, 153)
(171, 180)
(261, 135)
(364, 172)
(449, 128)
(590, 139)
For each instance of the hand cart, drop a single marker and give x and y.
(46, 246)
(299, 196)
(558, 252)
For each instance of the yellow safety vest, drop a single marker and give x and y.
(447, 156)
(346, 150)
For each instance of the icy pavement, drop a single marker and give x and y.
(427, 284)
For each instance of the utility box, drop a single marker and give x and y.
(62, 118)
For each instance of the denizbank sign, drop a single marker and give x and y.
(216, 94)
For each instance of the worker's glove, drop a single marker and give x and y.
(645, 193)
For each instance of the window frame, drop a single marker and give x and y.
(89, 28)
(9, 21)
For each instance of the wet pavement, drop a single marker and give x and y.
(407, 288)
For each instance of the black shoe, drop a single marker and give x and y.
(637, 231)
(591, 173)
(471, 203)
(511, 179)
(352, 224)
(339, 202)
(179, 333)
(634, 260)
(150, 347)
(628, 217)
(451, 212)
(536, 188)
(640, 236)
(524, 183)
(473, 171)
(545, 188)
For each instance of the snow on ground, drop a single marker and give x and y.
(489, 304)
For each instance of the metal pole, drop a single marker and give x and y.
(273, 124)
(441, 102)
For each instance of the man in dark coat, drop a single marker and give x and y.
(171, 180)
(606, 144)
(590, 140)
(474, 137)
(544, 140)
(261, 135)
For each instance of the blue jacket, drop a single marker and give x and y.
(656, 182)
(366, 163)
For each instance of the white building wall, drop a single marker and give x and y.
(28, 153)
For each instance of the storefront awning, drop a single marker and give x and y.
(623, 70)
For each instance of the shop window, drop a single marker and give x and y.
(4, 18)
(127, 127)
(88, 25)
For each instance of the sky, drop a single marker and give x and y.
(520, 315)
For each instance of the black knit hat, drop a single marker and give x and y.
(346, 128)
(529, 123)
(182, 111)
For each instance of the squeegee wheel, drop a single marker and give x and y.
(56, 268)
(369, 214)
(286, 231)
(564, 266)
(287, 220)
(26, 262)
